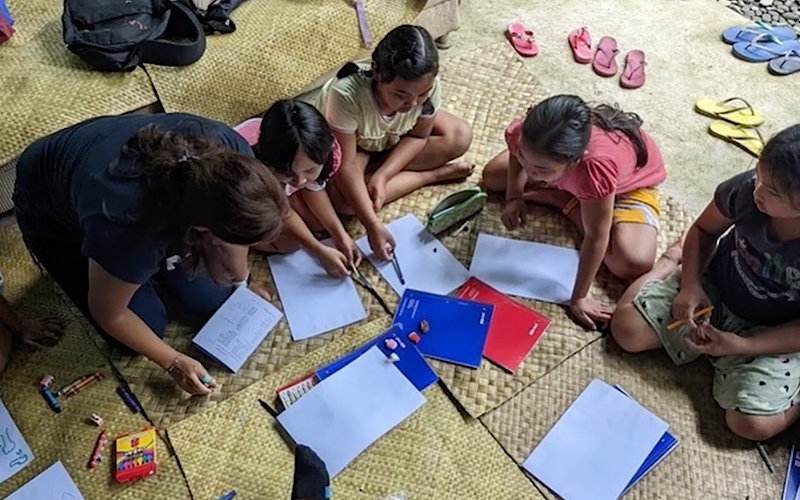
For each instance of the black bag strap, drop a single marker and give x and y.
(182, 43)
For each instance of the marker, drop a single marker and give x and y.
(129, 399)
(228, 496)
(50, 398)
(396, 266)
(678, 322)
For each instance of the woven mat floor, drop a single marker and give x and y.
(291, 44)
(44, 87)
(710, 462)
(484, 87)
(434, 454)
(67, 436)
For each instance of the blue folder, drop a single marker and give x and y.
(792, 483)
(411, 362)
(458, 327)
(664, 447)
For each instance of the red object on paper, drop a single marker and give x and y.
(514, 329)
(5, 29)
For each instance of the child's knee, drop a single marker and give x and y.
(628, 266)
(461, 138)
(494, 177)
(629, 330)
(752, 427)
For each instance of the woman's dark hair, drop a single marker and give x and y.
(289, 125)
(191, 181)
(407, 52)
(560, 127)
(781, 157)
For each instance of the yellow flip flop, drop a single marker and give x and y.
(734, 110)
(746, 138)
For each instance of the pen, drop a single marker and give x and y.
(396, 266)
(228, 496)
(678, 322)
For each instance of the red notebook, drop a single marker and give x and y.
(514, 329)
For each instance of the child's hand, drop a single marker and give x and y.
(689, 300)
(261, 292)
(381, 241)
(514, 214)
(377, 191)
(348, 247)
(334, 262)
(589, 312)
(188, 373)
(714, 342)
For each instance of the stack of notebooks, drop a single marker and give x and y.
(601, 447)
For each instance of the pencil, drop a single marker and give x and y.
(678, 322)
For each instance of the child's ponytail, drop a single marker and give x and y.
(348, 69)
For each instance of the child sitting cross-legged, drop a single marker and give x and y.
(741, 256)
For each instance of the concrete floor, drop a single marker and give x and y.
(686, 60)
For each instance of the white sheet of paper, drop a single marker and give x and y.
(237, 328)
(427, 265)
(596, 447)
(313, 302)
(526, 269)
(345, 413)
(15, 453)
(54, 483)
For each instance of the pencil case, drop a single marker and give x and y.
(455, 208)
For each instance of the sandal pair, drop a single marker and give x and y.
(604, 59)
(737, 122)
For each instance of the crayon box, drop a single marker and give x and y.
(135, 456)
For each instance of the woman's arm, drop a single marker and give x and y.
(108, 304)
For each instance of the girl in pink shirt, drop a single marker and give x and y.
(294, 141)
(600, 168)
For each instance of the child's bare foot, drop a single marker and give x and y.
(41, 333)
(453, 171)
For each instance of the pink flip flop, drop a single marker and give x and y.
(522, 39)
(581, 44)
(632, 76)
(603, 62)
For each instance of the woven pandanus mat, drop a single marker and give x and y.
(436, 453)
(710, 461)
(44, 87)
(278, 48)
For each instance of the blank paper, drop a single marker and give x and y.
(52, 484)
(237, 328)
(427, 265)
(348, 411)
(596, 447)
(15, 454)
(313, 302)
(526, 269)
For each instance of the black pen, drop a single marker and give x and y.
(396, 266)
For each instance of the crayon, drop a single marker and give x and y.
(678, 322)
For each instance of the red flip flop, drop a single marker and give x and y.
(522, 39)
(603, 62)
(581, 44)
(632, 76)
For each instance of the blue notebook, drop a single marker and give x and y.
(411, 362)
(792, 484)
(664, 447)
(458, 327)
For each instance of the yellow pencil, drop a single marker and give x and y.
(678, 322)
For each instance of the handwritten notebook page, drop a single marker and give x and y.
(237, 328)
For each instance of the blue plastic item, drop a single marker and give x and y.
(736, 34)
(5, 13)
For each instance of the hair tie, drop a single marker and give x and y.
(187, 158)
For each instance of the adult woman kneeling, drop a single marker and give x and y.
(120, 209)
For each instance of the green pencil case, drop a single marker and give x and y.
(455, 208)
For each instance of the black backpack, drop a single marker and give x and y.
(117, 35)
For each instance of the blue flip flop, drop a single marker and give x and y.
(736, 34)
(786, 64)
(764, 48)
